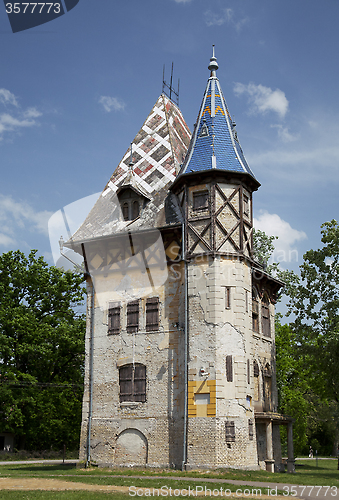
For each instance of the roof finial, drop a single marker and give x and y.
(213, 66)
(131, 159)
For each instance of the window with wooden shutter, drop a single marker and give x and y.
(133, 316)
(125, 211)
(255, 310)
(229, 369)
(126, 383)
(200, 200)
(114, 318)
(255, 369)
(135, 209)
(132, 381)
(250, 429)
(227, 297)
(230, 432)
(152, 314)
(248, 372)
(246, 206)
(265, 316)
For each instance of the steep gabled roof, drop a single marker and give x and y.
(214, 144)
(157, 152)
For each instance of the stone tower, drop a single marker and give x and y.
(180, 359)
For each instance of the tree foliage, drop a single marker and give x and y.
(316, 310)
(41, 351)
(307, 349)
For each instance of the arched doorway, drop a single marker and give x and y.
(131, 448)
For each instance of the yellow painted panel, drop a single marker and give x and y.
(191, 383)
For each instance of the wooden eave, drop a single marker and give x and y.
(192, 178)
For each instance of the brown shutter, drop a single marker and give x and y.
(229, 369)
(133, 316)
(152, 314)
(126, 383)
(248, 372)
(230, 432)
(140, 383)
(114, 318)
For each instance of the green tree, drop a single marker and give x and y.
(263, 248)
(41, 351)
(316, 308)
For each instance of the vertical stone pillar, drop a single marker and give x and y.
(269, 447)
(290, 452)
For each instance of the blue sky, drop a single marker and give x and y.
(74, 92)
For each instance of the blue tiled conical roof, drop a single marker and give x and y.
(214, 144)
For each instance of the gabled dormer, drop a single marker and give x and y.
(131, 196)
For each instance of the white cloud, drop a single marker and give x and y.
(111, 103)
(225, 16)
(31, 113)
(6, 240)
(285, 245)
(284, 133)
(18, 215)
(263, 99)
(6, 97)
(18, 118)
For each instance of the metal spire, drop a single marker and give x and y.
(213, 65)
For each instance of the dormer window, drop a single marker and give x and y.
(131, 204)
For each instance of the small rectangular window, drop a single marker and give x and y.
(200, 200)
(133, 316)
(250, 429)
(230, 432)
(246, 206)
(227, 297)
(114, 318)
(152, 314)
(202, 398)
(229, 369)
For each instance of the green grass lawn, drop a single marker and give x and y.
(307, 473)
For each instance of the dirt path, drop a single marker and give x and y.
(9, 483)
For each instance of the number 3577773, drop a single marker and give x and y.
(31, 8)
